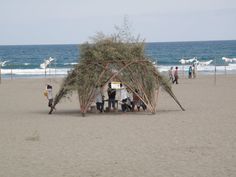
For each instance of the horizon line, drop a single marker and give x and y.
(144, 42)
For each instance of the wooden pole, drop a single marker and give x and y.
(156, 99)
(215, 73)
(55, 67)
(49, 72)
(11, 72)
(225, 70)
(0, 74)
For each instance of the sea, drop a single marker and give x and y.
(24, 61)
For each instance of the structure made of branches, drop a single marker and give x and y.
(108, 58)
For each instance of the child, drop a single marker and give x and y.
(49, 96)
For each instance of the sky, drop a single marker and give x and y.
(29, 22)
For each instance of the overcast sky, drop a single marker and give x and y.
(74, 21)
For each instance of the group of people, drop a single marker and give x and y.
(192, 72)
(174, 75)
(128, 100)
(100, 98)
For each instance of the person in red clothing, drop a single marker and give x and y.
(137, 102)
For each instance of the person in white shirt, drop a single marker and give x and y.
(99, 99)
(49, 95)
(171, 74)
(125, 102)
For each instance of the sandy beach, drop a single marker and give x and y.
(199, 142)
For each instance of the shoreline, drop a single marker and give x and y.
(222, 71)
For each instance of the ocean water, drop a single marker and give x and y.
(25, 60)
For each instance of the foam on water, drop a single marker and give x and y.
(73, 63)
(29, 72)
(162, 68)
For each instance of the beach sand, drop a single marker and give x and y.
(198, 142)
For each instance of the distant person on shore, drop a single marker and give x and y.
(194, 70)
(171, 74)
(99, 99)
(111, 97)
(190, 72)
(176, 76)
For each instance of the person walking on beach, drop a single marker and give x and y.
(49, 95)
(171, 74)
(176, 76)
(190, 70)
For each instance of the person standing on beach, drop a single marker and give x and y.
(49, 95)
(125, 100)
(190, 70)
(176, 76)
(171, 74)
(136, 100)
(111, 97)
(99, 98)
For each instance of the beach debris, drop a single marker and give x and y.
(188, 61)
(204, 63)
(195, 61)
(46, 62)
(3, 63)
(34, 137)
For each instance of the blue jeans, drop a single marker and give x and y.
(99, 106)
(111, 102)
